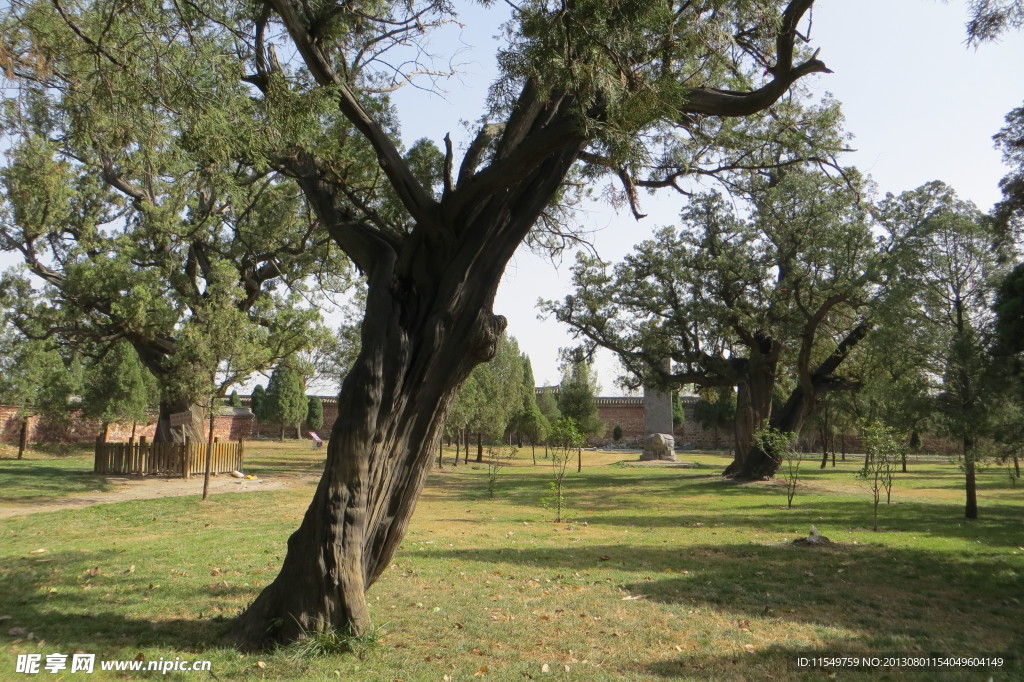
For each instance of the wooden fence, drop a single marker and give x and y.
(172, 459)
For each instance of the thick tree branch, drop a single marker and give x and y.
(414, 197)
(716, 102)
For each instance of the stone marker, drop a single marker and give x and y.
(658, 422)
(659, 446)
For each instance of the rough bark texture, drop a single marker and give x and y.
(192, 431)
(971, 487)
(427, 324)
(23, 438)
(753, 410)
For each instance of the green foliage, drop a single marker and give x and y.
(576, 397)
(530, 421)
(565, 439)
(315, 413)
(779, 446)
(1009, 310)
(145, 204)
(286, 402)
(883, 452)
(548, 405)
(678, 415)
(716, 408)
(258, 402)
(492, 395)
(118, 388)
(35, 377)
(617, 433)
(234, 400)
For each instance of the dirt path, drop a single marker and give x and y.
(151, 487)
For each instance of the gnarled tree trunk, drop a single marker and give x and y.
(428, 322)
(192, 430)
(753, 402)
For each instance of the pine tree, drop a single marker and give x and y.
(286, 400)
(315, 413)
(118, 388)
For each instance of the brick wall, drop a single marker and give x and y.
(79, 430)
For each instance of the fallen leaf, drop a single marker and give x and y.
(38, 551)
(481, 672)
(633, 597)
(545, 668)
(603, 557)
(131, 569)
(261, 664)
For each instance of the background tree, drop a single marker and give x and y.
(715, 409)
(35, 378)
(315, 413)
(497, 392)
(638, 92)
(234, 400)
(955, 307)
(548, 406)
(118, 388)
(286, 402)
(258, 404)
(735, 301)
(530, 421)
(577, 397)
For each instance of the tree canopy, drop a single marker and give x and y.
(640, 93)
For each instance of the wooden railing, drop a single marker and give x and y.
(171, 459)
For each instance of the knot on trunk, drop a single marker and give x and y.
(488, 332)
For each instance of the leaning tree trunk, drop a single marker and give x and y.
(428, 322)
(391, 409)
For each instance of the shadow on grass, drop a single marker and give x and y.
(616, 499)
(29, 481)
(998, 525)
(87, 620)
(894, 597)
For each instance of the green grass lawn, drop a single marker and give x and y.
(657, 574)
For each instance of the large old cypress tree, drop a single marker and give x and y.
(635, 92)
